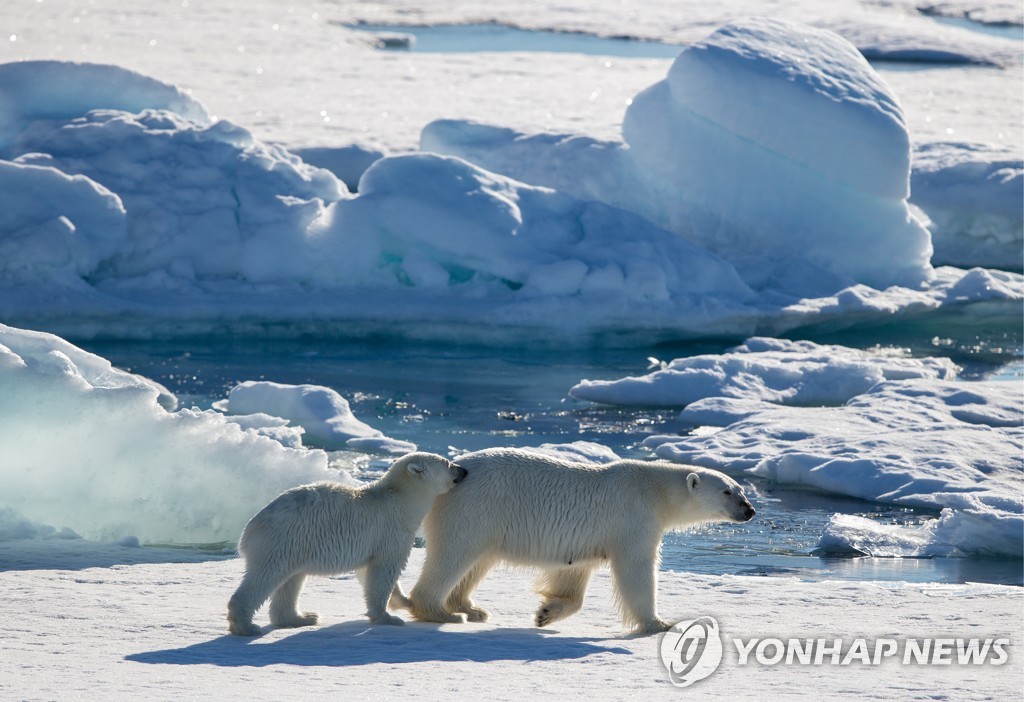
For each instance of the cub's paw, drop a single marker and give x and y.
(387, 620)
(244, 629)
(303, 619)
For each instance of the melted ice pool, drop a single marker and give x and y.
(467, 38)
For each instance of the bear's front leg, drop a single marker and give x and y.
(379, 578)
(443, 569)
(637, 585)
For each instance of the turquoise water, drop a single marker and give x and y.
(1003, 31)
(466, 38)
(448, 399)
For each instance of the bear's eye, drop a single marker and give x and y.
(727, 492)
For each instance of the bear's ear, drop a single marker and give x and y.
(415, 469)
(692, 481)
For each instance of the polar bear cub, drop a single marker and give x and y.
(328, 528)
(566, 519)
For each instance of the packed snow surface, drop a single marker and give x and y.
(160, 629)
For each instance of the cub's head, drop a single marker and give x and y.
(434, 473)
(715, 497)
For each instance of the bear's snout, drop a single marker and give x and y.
(748, 513)
(460, 473)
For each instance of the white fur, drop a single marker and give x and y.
(567, 519)
(327, 528)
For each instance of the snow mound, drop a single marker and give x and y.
(810, 86)
(59, 90)
(275, 428)
(805, 192)
(323, 414)
(47, 355)
(347, 163)
(587, 168)
(581, 451)
(93, 449)
(447, 222)
(56, 227)
(816, 172)
(972, 195)
(769, 370)
(199, 201)
(901, 442)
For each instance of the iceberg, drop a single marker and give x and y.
(98, 451)
(32, 91)
(122, 224)
(779, 147)
(817, 173)
(765, 370)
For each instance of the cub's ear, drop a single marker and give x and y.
(415, 469)
(692, 481)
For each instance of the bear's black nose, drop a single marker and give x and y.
(460, 474)
(748, 513)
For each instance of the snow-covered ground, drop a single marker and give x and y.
(226, 54)
(158, 631)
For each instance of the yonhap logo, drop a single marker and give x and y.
(691, 651)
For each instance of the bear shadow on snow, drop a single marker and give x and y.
(355, 643)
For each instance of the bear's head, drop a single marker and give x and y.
(715, 497)
(434, 473)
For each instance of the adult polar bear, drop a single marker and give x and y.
(568, 519)
(327, 528)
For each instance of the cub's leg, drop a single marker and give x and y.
(284, 604)
(259, 582)
(379, 578)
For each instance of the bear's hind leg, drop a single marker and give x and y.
(459, 600)
(562, 591)
(399, 600)
(284, 604)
